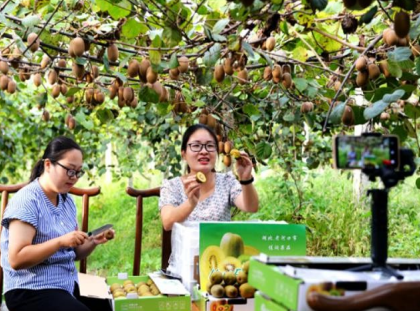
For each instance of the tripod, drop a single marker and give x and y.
(379, 208)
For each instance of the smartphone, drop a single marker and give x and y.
(362, 152)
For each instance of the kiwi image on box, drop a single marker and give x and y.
(226, 247)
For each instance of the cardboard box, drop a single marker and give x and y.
(207, 302)
(288, 286)
(264, 303)
(227, 245)
(98, 287)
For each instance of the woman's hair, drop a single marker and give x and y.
(191, 130)
(194, 128)
(54, 152)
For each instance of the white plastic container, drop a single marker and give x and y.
(185, 251)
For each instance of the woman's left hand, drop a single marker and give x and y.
(244, 166)
(103, 237)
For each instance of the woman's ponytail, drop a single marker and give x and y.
(37, 170)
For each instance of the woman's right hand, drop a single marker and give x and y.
(192, 189)
(73, 239)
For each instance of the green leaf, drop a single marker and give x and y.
(263, 150)
(81, 119)
(268, 59)
(173, 62)
(220, 25)
(148, 95)
(399, 54)
(122, 9)
(284, 28)
(368, 16)
(337, 113)
(375, 110)
(248, 48)
(31, 20)
(218, 38)
(234, 43)
(415, 30)
(132, 28)
(418, 64)
(394, 69)
(104, 115)
(155, 57)
(204, 76)
(211, 56)
(390, 98)
(122, 77)
(400, 131)
(418, 182)
(41, 98)
(251, 110)
(289, 117)
(411, 131)
(405, 4)
(300, 83)
(171, 36)
(318, 4)
(72, 91)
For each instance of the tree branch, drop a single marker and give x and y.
(357, 48)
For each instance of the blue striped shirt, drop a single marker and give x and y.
(32, 206)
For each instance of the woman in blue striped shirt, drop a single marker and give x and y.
(41, 241)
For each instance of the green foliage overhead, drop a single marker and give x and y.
(275, 56)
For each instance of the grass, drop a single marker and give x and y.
(337, 224)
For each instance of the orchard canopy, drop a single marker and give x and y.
(275, 78)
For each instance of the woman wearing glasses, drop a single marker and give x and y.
(40, 240)
(184, 198)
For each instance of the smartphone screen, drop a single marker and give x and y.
(358, 152)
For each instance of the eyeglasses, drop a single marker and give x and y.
(71, 172)
(197, 147)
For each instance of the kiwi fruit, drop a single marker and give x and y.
(348, 116)
(349, 4)
(70, 99)
(183, 62)
(402, 24)
(200, 177)
(37, 79)
(76, 47)
(231, 291)
(4, 81)
(134, 102)
(337, 85)
(287, 80)
(229, 278)
(390, 37)
(52, 77)
(94, 71)
(217, 291)
(361, 63)
(221, 146)
(112, 53)
(174, 73)
(11, 86)
(61, 63)
(118, 293)
(227, 66)
(403, 41)
(362, 78)
(268, 74)
(243, 76)
(133, 68)
(72, 123)
(4, 67)
(235, 153)
(216, 277)
(55, 91)
(246, 291)
(45, 115)
(211, 121)
(242, 277)
(128, 94)
(277, 74)
(164, 97)
(89, 95)
(384, 116)
(46, 60)
(151, 76)
(270, 43)
(115, 286)
(383, 66)
(144, 65)
(306, 107)
(33, 42)
(227, 147)
(219, 73)
(99, 97)
(374, 71)
(245, 267)
(78, 71)
(286, 68)
(113, 90)
(63, 89)
(227, 160)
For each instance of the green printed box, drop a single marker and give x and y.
(225, 246)
(152, 303)
(263, 303)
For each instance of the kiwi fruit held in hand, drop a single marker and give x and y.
(201, 178)
(235, 153)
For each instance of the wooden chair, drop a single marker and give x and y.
(166, 235)
(85, 193)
